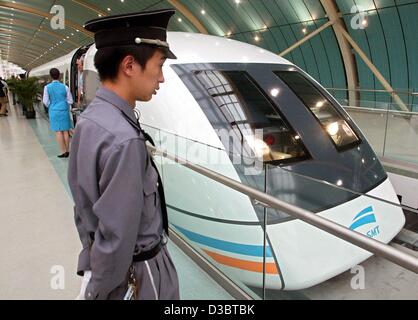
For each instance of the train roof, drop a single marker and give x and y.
(60, 63)
(200, 48)
(194, 47)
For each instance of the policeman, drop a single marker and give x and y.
(120, 211)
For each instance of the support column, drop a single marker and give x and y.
(350, 66)
(375, 71)
(309, 36)
(189, 15)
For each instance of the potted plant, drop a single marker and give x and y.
(26, 91)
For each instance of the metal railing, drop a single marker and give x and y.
(403, 92)
(381, 249)
(383, 99)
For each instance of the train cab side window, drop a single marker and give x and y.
(258, 126)
(331, 120)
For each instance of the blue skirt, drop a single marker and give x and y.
(60, 120)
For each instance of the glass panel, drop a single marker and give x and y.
(258, 126)
(221, 224)
(402, 136)
(372, 124)
(330, 119)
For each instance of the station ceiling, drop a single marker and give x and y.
(385, 30)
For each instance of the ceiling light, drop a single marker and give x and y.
(179, 19)
(203, 12)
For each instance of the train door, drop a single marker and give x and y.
(76, 81)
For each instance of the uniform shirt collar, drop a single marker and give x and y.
(116, 101)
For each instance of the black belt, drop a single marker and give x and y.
(145, 255)
(149, 254)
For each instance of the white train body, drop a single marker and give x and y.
(225, 225)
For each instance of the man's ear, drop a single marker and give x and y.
(127, 65)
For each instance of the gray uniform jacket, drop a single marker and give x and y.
(117, 203)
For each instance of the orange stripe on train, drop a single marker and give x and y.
(243, 264)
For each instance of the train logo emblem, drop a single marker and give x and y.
(366, 216)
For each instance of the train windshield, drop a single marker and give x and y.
(331, 120)
(244, 107)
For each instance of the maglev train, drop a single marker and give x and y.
(312, 155)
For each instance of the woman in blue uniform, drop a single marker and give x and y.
(57, 98)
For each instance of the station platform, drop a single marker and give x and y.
(40, 244)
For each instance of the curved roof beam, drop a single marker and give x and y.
(189, 15)
(90, 7)
(350, 66)
(16, 52)
(23, 24)
(309, 36)
(33, 11)
(375, 71)
(175, 3)
(45, 45)
(345, 43)
(20, 45)
(30, 55)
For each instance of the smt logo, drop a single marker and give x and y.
(366, 216)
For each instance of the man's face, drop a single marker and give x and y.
(147, 81)
(79, 65)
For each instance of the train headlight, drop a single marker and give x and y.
(259, 147)
(333, 128)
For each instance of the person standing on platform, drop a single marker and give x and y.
(120, 211)
(57, 97)
(4, 99)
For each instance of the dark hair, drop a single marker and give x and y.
(107, 60)
(54, 73)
